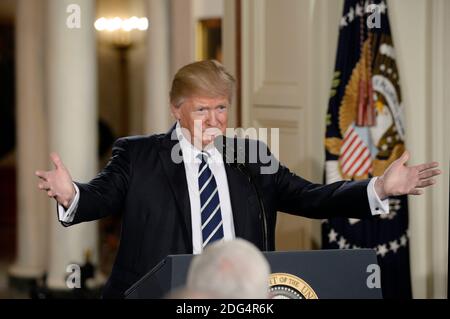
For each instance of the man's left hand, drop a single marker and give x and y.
(399, 179)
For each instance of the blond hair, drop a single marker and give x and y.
(205, 78)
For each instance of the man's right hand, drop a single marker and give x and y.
(58, 182)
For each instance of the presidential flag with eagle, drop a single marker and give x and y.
(365, 134)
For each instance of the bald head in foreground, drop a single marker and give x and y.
(233, 269)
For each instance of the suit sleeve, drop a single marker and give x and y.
(104, 195)
(298, 196)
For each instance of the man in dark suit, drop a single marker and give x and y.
(179, 191)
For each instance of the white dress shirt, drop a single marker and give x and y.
(215, 162)
(191, 165)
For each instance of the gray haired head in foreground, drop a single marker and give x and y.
(233, 269)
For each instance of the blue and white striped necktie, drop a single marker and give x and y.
(211, 216)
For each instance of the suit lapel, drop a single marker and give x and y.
(238, 198)
(238, 185)
(176, 176)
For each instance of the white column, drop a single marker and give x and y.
(72, 102)
(439, 117)
(411, 52)
(156, 111)
(32, 145)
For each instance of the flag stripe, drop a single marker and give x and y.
(350, 158)
(353, 142)
(364, 153)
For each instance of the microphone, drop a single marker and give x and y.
(234, 155)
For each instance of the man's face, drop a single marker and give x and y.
(204, 118)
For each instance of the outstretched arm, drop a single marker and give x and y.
(349, 199)
(101, 197)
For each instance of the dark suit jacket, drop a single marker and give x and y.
(150, 190)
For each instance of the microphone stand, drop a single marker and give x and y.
(263, 215)
(232, 159)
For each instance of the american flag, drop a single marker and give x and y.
(355, 158)
(366, 81)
